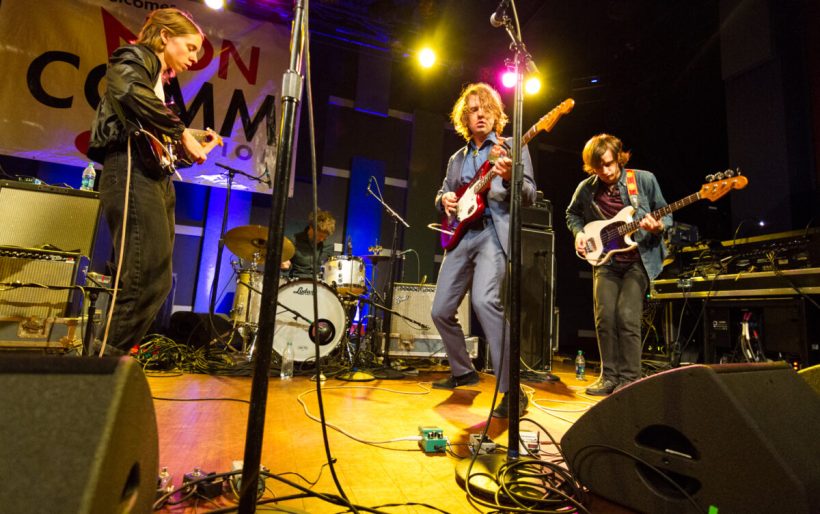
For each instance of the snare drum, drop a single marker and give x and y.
(345, 273)
(297, 295)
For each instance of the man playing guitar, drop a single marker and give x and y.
(619, 284)
(168, 43)
(479, 259)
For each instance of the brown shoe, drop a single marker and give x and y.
(452, 382)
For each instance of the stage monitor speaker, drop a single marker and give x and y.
(537, 297)
(37, 215)
(739, 437)
(79, 435)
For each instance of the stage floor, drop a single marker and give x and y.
(208, 432)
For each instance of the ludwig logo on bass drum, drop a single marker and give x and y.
(303, 291)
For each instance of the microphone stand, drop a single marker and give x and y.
(231, 173)
(292, 83)
(388, 297)
(483, 474)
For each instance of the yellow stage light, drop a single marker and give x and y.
(427, 57)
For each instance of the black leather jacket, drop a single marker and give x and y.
(132, 72)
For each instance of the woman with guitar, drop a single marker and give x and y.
(622, 270)
(478, 258)
(132, 180)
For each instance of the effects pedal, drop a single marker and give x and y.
(529, 443)
(432, 439)
(487, 445)
(236, 478)
(207, 487)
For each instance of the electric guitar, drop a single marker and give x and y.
(170, 154)
(471, 197)
(608, 237)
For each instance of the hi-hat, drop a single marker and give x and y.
(249, 242)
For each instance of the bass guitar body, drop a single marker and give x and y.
(603, 240)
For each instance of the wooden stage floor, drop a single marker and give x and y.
(208, 432)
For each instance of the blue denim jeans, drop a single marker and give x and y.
(618, 291)
(146, 276)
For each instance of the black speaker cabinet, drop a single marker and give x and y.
(78, 435)
(537, 297)
(36, 215)
(739, 437)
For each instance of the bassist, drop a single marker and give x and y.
(479, 259)
(620, 284)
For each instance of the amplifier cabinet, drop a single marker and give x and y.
(416, 302)
(37, 215)
(39, 317)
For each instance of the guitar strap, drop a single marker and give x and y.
(632, 188)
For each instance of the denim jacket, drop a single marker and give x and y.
(583, 209)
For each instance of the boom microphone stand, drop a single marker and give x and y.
(292, 82)
(387, 370)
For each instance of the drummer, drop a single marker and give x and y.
(300, 265)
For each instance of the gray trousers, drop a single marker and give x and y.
(477, 261)
(619, 291)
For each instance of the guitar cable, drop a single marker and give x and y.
(116, 283)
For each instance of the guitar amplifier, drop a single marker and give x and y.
(39, 316)
(36, 215)
(409, 340)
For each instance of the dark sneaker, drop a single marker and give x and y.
(603, 387)
(622, 384)
(452, 382)
(502, 410)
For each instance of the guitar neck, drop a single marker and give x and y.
(628, 228)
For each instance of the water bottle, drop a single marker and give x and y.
(286, 371)
(580, 366)
(166, 481)
(89, 175)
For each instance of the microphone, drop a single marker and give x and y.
(497, 18)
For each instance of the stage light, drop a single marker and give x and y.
(532, 85)
(427, 57)
(508, 79)
(215, 4)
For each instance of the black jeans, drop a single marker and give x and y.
(618, 291)
(146, 277)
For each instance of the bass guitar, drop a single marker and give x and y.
(472, 197)
(169, 154)
(608, 237)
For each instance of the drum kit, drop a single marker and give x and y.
(342, 284)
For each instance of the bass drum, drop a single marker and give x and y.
(297, 295)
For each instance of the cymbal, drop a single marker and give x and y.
(374, 257)
(250, 242)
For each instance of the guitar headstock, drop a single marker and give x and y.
(720, 183)
(551, 118)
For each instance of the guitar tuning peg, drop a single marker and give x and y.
(737, 171)
(729, 173)
(719, 175)
(710, 178)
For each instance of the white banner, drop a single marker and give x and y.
(53, 55)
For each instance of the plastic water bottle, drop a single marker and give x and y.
(89, 175)
(286, 371)
(580, 366)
